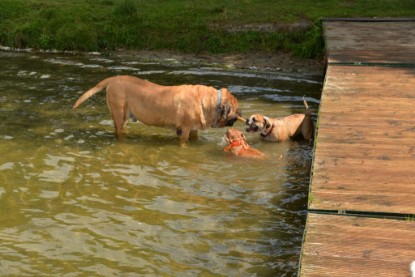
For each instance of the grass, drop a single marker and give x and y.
(184, 25)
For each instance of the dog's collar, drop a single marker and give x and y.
(239, 142)
(217, 110)
(269, 132)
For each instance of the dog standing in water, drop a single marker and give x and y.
(238, 145)
(281, 129)
(184, 108)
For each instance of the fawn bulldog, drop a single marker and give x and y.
(238, 145)
(281, 129)
(184, 108)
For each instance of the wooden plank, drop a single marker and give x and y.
(354, 246)
(364, 153)
(370, 42)
(356, 57)
(369, 121)
(356, 134)
(354, 137)
(346, 81)
(365, 141)
(378, 151)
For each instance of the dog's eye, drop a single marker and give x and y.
(254, 119)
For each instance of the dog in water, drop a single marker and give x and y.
(281, 129)
(238, 145)
(184, 108)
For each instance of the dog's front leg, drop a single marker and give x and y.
(183, 134)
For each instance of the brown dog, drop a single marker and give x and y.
(238, 145)
(280, 129)
(185, 108)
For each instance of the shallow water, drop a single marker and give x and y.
(76, 202)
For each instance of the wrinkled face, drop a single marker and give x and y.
(229, 111)
(256, 123)
(234, 135)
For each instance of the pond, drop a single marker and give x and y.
(74, 201)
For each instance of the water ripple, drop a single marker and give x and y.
(76, 201)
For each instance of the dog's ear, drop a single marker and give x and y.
(267, 124)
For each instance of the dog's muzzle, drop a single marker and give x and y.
(252, 127)
(231, 121)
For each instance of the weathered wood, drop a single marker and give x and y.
(370, 42)
(353, 246)
(364, 156)
(357, 109)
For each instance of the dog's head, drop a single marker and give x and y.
(257, 123)
(228, 110)
(233, 135)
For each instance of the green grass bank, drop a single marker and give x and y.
(190, 26)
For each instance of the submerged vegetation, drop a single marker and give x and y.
(195, 26)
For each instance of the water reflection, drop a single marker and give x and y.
(74, 200)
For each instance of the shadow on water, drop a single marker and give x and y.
(74, 200)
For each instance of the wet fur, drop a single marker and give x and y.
(283, 128)
(238, 145)
(185, 108)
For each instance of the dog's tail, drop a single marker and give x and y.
(307, 110)
(98, 87)
(305, 103)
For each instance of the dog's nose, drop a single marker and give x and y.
(247, 122)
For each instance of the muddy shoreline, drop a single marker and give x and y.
(281, 62)
(259, 61)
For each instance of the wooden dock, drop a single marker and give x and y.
(361, 219)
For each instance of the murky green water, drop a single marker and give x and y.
(76, 202)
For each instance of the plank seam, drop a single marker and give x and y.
(373, 64)
(369, 19)
(383, 215)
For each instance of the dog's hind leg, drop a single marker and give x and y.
(119, 121)
(119, 117)
(117, 105)
(307, 128)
